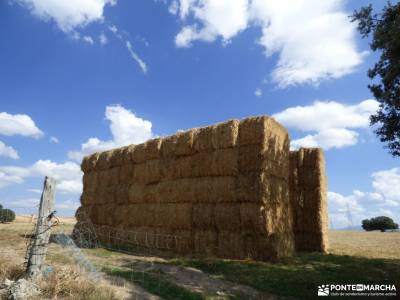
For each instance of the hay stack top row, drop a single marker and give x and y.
(263, 130)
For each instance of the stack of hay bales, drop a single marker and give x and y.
(221, 190)
(308, 195)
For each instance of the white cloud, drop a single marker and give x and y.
(7, 179)
(88, 39)
(258, 92)
(387, 184)
(126, 128)
(136, 58)
(103, 39)
(331, 121)
(68, 14)
(224, 18)
(68, 174)
(8, 151)
(18, 125)
(314, 39)
(54, 140)
(383, 200)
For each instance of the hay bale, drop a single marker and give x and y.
(126, 174)
(230, 245)
(108, 177)
(139, 153)
(136, 193)
(252, 216)
(89, 162)
(203, 139)
(205, 242)
(183, 241)
(168, 146)
(117, 157)
(90, 181)
(214, 189)
(121, 194)
(153, 148)
(257, 130)
(173, 216)
(88, 198)
(203, 216)
(251, 187)
(118, 213)
(103, 162)
(225, 134)
(227, 216)
(184, 142)
(139, 215)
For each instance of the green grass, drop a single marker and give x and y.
(299, 276)
(154, 284)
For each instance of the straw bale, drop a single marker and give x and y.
(82, 214)
(184, 142)
(230, 245)
(128, 155)
(203, 216)
(225, 134)
(257, 130)
(121, 194)
(177, 191)
(150, 193)
(251, 187)
(88, 198)
(203, 139)
(89, 162)
(258, 158)
(148, 172)
(136, 193)
(165, 239)
(206, 242)
(174, 216)
(153, 147)
(183, 241)
(139, 215)
(252, 218)
(117, 157)
(215, 189)
(119, 215)
(126, 173)
(139, 153)
(107, 214)
(103, 162)
(95, 214)
(90, 181)
(227, 216)
(168, 146)
(108, 177)
(140, 236)
(259, 247)
(105, 195)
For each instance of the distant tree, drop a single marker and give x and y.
(6, 215)
(1, 206)
(385, 30)
(381, 223)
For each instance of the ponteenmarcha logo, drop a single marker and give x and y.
(323, 290)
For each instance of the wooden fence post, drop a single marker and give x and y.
(38, 249)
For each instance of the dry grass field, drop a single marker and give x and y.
(355, 257)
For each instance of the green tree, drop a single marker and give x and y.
(6, 215)
(384, 27)
(381, 223)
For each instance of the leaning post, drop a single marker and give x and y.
(38, 249)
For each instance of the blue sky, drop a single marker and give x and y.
(123, 71)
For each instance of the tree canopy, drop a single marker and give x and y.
(381, 223)
(384, 27)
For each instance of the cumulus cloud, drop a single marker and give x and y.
(383, 200)
(314, 40)
(330, 121)
(18, 124)
(8, 151)
(88, 39)
(126, 128)
(68, 14)
(68, 174)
